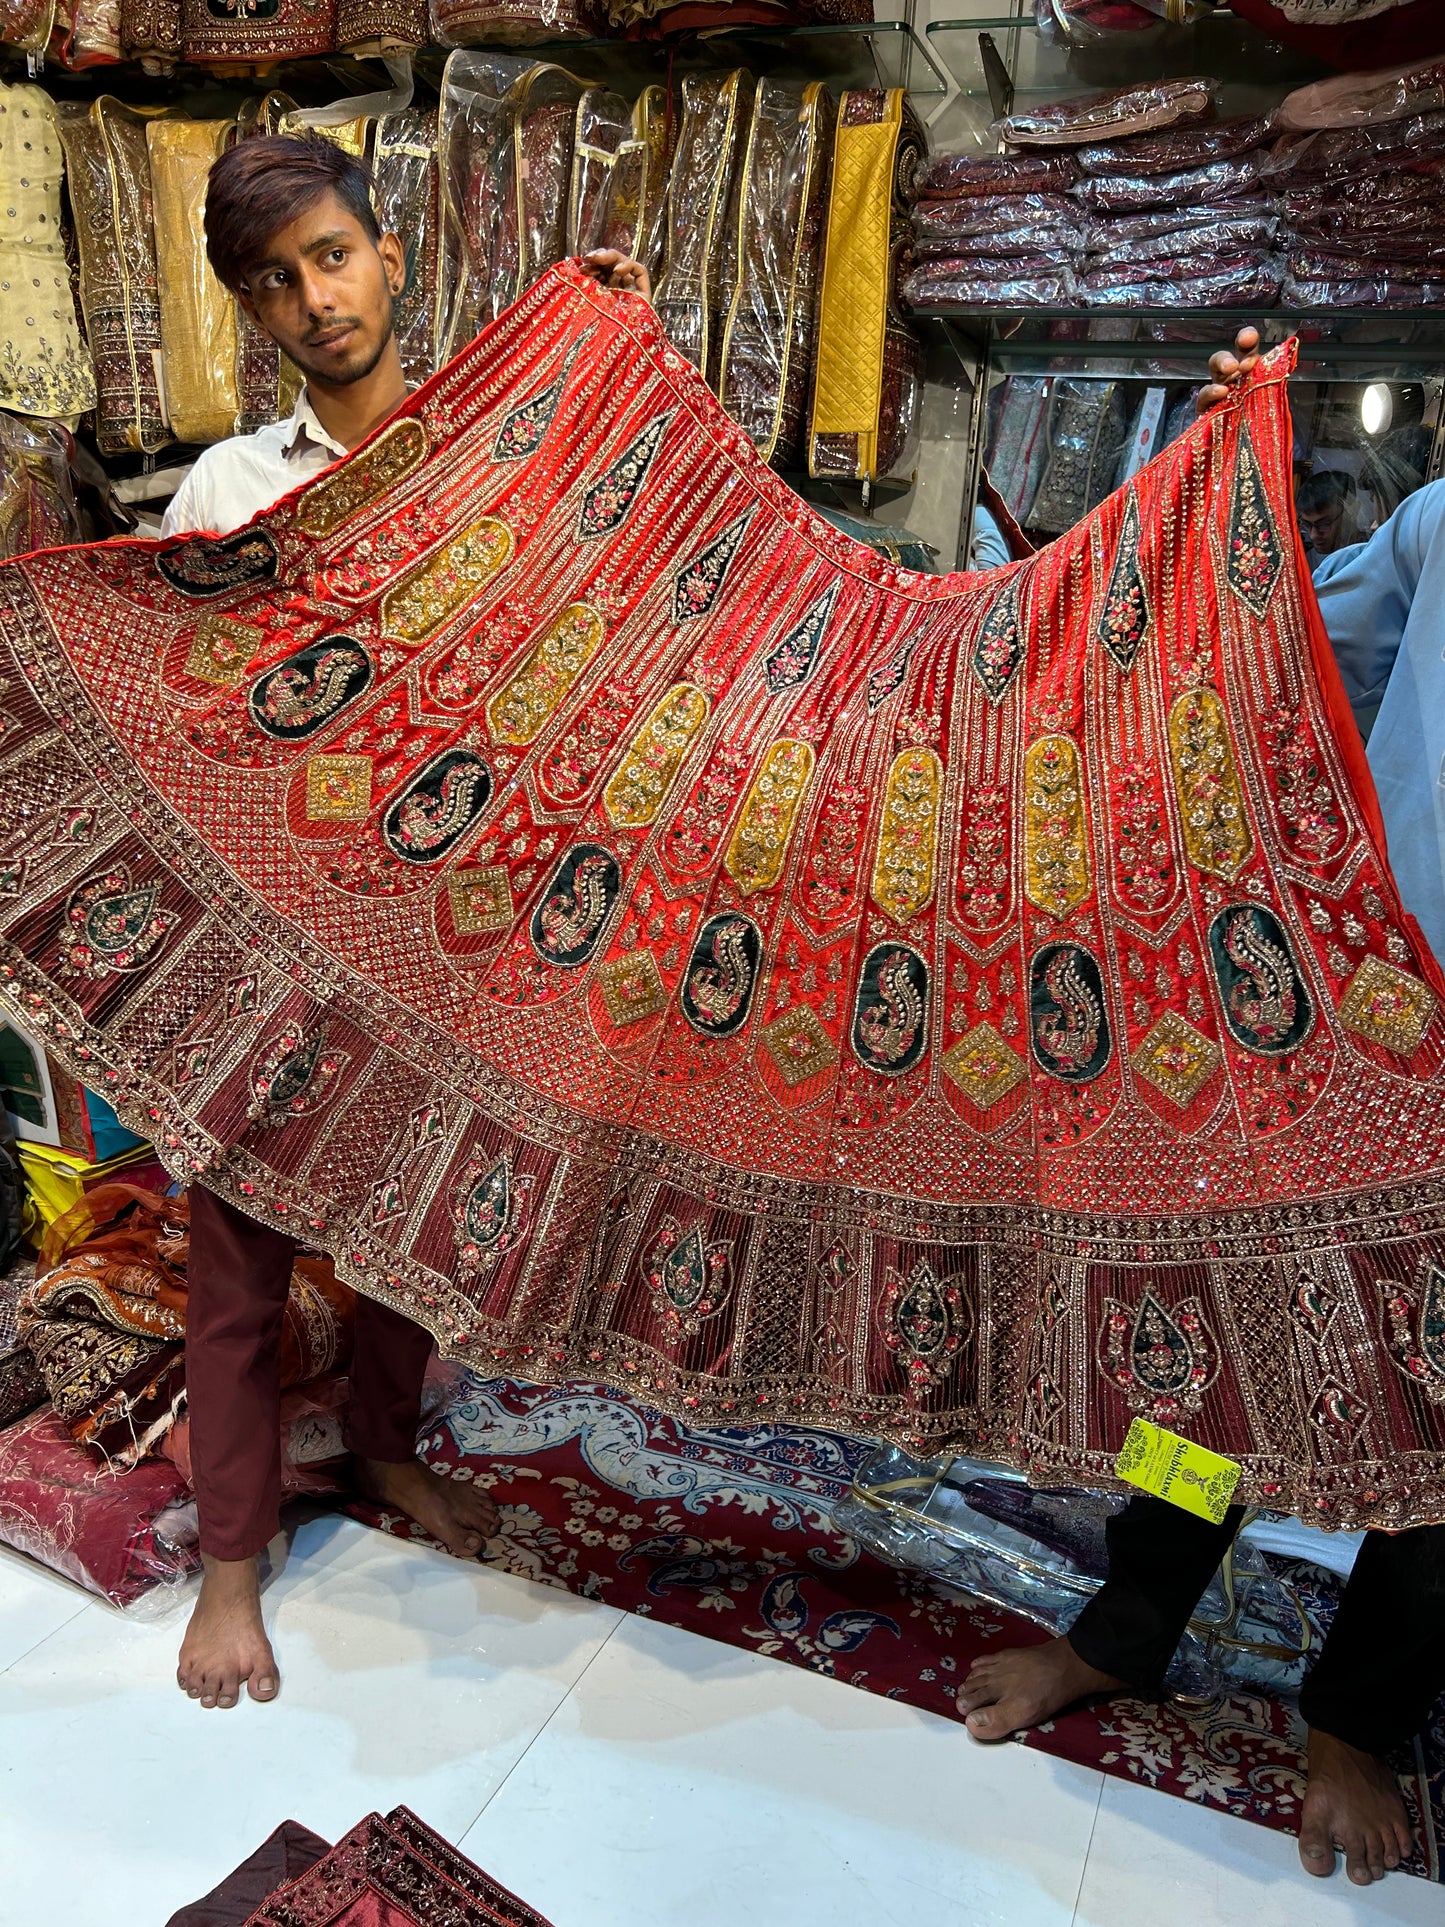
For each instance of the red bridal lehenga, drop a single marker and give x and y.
(645, 936)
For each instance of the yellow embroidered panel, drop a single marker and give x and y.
(908, 839)
(338, 789)
(517, 712)
(1216, 830)
(798, 1045)
(1056, 847)
(1176, 1059)
(634, 795)
(984, 1066)
(632, 988)
(481, 899)
(339, 496)
(759, 846)
(1387, 1006)
(221, 649)
(446, 582)
(853, 307)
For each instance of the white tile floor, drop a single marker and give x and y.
(612, 1770)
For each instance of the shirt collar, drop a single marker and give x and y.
(305, 426)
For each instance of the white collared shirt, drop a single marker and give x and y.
(238, 479)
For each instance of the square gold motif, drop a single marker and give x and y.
(983, 1066)
(799, 1045)
(481, 899)
(221, 648)
(338, 789)
(1387, 1006)
(1176, 1059)
(631, 988)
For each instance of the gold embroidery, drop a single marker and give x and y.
(342, 493)
(338, 788)
(1216, 830)
(446, 582)
(635, 793)
(221, 648)
(1056, 851)
(1176, 1059)
(631, 988)
(908, 840)
(798, 1045)
(759, 844)
(983, 1066)
(1387, 1006)
(517, 713)
(481, 899)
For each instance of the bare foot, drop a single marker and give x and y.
(226, 1643)
(1352, 1802)
(455, 1511)
(1025, 1685)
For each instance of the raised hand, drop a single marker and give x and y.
(614, 269)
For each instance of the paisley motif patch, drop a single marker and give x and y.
(1267, 1004)
(302, 694)
(568, 923)
(295, 1075)
(208, 565)
(1124, 618)
(926, 1320)
(111, 925)
(699, 583)
(1068, 1014)
(791, 661)
(688, 1275)
(722, 974)
(1162, 1360)
(1413, 1318)
(522, 430)
(1000, 646)
(605, 505)
(890, 1011)
(883, 682)
(1256, 556)
(489, 1209)
(438, 807)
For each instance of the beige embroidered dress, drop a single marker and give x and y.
(45, 368)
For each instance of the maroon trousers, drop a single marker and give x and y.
(238, 1275)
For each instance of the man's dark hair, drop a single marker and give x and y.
(1326, 488)
(264, 182)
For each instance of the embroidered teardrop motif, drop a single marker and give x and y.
(301, 695)
(792, 660)
(688, 1275)
(926, 1320)
(108, 925)
(572, 914)
(605, 505)
(488, 1213)
(1414, 1321)
(1255, 554)
(438, 807)
(209, 565)
(883, 682)
(295, 1076)
(1266, 1003)
(1124, 618)
(722, 974)
(1000, 646)
(890, 1011)
(1068, 1016)
(1162, 1361)
(699, 582)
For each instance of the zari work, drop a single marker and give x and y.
(404, 166)
(644, 935)
(150, 31)
(26, 25)
(198, 316)
(508, 23)
(110, 190)
(633, 213)
(692, 301)
(768, 348)
(380, 26)
(44, 366)
(223, 31)
(868, 382)
(604, 126)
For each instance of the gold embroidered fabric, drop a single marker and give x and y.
(110, 190)
(150, 31)
(44, 366)
(198, 316)
(695, 290)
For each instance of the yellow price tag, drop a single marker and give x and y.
(1178, 1470)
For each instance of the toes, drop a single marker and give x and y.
(1357, 1864)
(988, 1724)
(1375, 1856)
(265, 1686)
(1404, 1840)
(1316, 1850)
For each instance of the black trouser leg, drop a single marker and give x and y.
(1161, 1558)
(1383, 1666)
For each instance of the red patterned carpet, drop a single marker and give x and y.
(730, 1534)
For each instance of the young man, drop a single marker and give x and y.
(1382, 1667)
(291, 232)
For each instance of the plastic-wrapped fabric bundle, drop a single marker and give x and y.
(868, 371)
(110, 190)
(1112, 116)
(198, 316)
(1335, 154)
(1146, 225)
(1247, 279)
(279, 30)
(1174, 152)
(1228, 235)
(1087, 428)
(1029, 282)
(507, 23)
(150, 32)
(1020, 444)
(378, 27)
(1133, 193)
(1356, 100)
(45, 368)
(1033, 252)
(475, 161)
(995, 221)
(26, 25)
(768, 343)
(532, 236)
(1396, 194)
(87, 34)
(408, 204)
(633, 214)
(603, 127)
(37, 506)
(716, 111)
(944, 177)
(1378, 290)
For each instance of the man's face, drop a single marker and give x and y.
(323, 290)
(1323, 527)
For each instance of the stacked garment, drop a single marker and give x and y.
(995, 230)
(1360, 173)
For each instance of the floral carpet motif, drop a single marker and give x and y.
(730, 1534)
